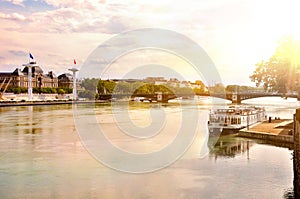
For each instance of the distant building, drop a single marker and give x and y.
(19, 78)
(154, 79)
(185, 84)
(65, 80)
(174, 82)
(160, 82)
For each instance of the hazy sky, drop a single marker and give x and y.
(236, 34)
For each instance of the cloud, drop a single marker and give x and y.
(16, 2)
(101, 18)
(85, 4)
(14, 16)
(55, 30)
(93, 16)
(17, 52)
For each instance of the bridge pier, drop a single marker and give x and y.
(159, 96)
(236, 98)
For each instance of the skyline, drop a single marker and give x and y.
(235, 34)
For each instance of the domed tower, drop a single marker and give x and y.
(36, 70)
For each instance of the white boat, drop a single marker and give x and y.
(234, 118)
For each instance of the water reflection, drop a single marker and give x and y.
(289, 194)
(41, 157)
(228, 146)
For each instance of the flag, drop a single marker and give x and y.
(30, 55)
(74, 61)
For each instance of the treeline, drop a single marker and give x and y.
(220, 88)
(94, 88)
(238, 88)
(20, 90)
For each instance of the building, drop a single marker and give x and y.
(174, 82)
(152, 80)
(65, 80)
(19, 78)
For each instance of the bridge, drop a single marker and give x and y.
(238, 97)
(235, 97)
(158, 96)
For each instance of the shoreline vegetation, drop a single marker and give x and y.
(94, 88)
(50, 102)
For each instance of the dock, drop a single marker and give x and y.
(279, 130)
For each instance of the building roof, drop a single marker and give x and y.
(50, 74)
(17, 72)
(35, 70)
(66, 75)
(5, 73)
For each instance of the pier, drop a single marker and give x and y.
(279, 130)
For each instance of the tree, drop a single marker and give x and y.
(123, 87)
(87, 94)
(17, 91)
(238, 88)
(217, 88)
(280, 73)
(106, 86)
(200, 87)
(60, 91)
(90, 84)
(146, 89)
(233, 88)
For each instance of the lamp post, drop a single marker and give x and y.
(29, 66)
(74, 70)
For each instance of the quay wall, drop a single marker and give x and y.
(296, 159)
(266, 136)
(39, 103)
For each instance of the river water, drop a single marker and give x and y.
(42, 156)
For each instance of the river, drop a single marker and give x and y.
(42, 155)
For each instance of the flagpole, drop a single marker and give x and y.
(74, 70)
(29, 67)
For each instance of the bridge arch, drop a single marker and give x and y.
(239, 97)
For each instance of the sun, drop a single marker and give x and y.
(277, 24)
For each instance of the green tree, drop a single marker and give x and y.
(106, 86)
(90, 84)
(123, 87)
(145, 89)
(17, 90)
(61, 91)
(53, 90)
(152, 88)
(281, 72)
(217, 88)
(233, 88)
(87, 94)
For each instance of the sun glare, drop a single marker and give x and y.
(279, 24)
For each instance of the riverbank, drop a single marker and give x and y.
(279, 130)
(36, 103)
